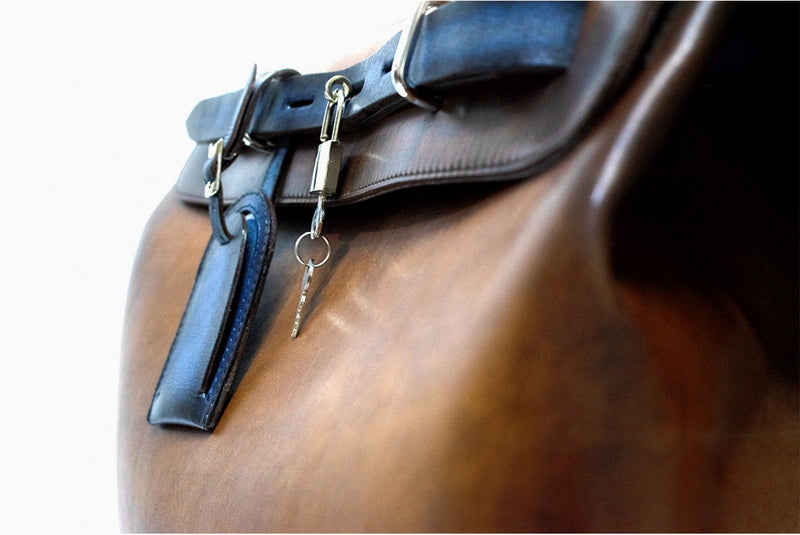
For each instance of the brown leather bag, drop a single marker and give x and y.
(561, 304)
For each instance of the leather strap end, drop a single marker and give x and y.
(197, 378)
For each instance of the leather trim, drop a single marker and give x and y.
(502, 130)
(196, 380)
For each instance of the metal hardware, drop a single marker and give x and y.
(326, 168)
(319, 216)
(325, 179)
(297, 249)
(335, 97)
(402, 59)
(215, 151)
(307, 275)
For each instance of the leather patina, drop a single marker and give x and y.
(196, 380)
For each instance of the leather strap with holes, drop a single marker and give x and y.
(459, 43)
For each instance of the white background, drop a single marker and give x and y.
(94, 98)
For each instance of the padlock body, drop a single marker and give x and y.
(326, 169)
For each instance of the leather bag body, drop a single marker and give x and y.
(533, 318)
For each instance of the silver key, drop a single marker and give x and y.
(303, 295)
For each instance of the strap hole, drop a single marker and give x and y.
(299, 102)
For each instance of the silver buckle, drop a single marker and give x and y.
(402, 59)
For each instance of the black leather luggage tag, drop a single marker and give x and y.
(195, 383)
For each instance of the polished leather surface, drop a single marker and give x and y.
(503, 357)
(195, 382)
(494, 132)
(462, 42)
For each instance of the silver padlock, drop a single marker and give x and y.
(325, 180)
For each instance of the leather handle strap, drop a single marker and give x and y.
(459, 43)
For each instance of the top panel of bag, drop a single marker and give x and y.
(516, 84)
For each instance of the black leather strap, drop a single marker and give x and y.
(459, 43)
